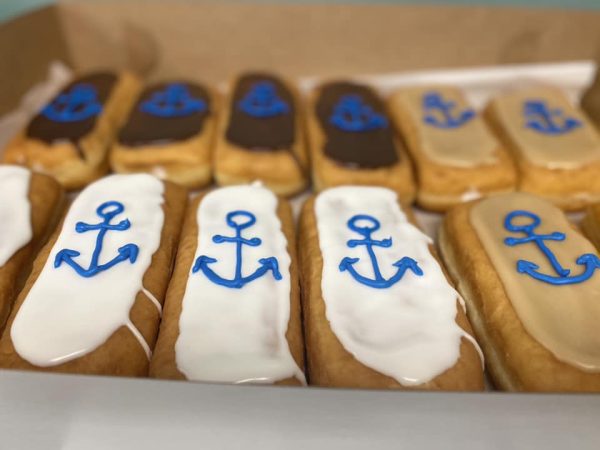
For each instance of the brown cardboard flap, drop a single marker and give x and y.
(27, 45)
(210, 41)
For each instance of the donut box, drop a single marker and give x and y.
(203, 255)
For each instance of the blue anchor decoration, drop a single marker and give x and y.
(174, 101)
(433, 102)
(543, 119)
(79, 103)
(589, 260)
(379, 282)
(107, 211)
(262, 101)
(352, 114)
(238, 220)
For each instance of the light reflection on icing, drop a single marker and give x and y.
(407, 331)
(237, 335)
(65, 315)
(15, 211)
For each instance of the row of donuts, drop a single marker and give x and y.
(138, 280)
(425, 142)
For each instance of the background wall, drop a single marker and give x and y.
(12, 8)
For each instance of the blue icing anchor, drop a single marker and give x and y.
(107, 211)
(352, 114)
(79, 103)
(238, 220)
(262, 101)
(543, 119)
(379, 282)
(174, 101)
(590, 261)
(434, 105)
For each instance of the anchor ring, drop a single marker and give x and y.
(240, 225)
(108, 210)
(353, 224)
(526, 228)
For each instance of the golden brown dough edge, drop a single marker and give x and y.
(328, 362)
(62, 160)
(441, 203)
(569, 189)
(285, 172)
(515, 361)
(441, 186)
(328, 173)
(186, 162)
(47, 201)
(163, 364)
(121, 354)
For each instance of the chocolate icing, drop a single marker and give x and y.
(143, 128)
(363, 149)
(48, 130)
(261, 133)
(590, 101)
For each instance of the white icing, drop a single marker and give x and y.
(153, 300)
(136, 333)
(407, 331)
(15, 211)
(160, 172)
(65, 315)
(237, 335)
(471, 194)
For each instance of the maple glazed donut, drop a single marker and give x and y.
(531, 281)
(556, 148)
(456, 156)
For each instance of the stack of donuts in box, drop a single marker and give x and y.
(151, 271)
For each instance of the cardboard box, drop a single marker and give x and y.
(210, 42)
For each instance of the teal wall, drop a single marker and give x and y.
(12, 8)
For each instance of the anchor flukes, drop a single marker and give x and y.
(238, 220)
(272, 265)
(590, 261)
(366, 225)
(526, 266)
(563, 276)
(347, 262)
(407, 263)
(202, 262)
(404, 264)
(441, 113)
(129, 252)
(65, 256)
(266, 265)
(107, 211)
